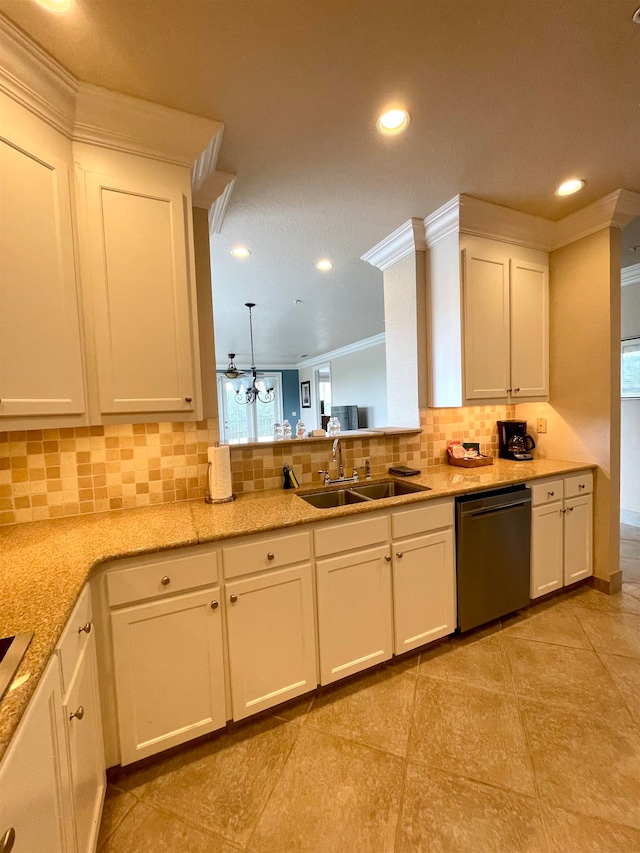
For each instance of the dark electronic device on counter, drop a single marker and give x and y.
(513, 441)
(403, 471)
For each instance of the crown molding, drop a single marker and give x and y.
(443, 222)
(122, 123)
(406, 239)
(365, 343)
(218, 209)
(613, 211)
(630, 275)
(485, 219)
(24, 66)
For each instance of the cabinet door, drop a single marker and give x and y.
(486, 322)
(529, 309)
(34, 779)
(139, 270)
(86, 755)
(354, 612)
(423, 590)
(40, 358)
(578, 539)
(169, 672)
(546, 549)
(272, 648)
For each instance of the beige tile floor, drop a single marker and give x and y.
(524, 736)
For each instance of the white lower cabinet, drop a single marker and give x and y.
(354, 612)
(34, 776)
(271, 630)
(169, 671)
(561, 533)
(424, 593)
(81, 708)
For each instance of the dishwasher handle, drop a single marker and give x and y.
(494, 509)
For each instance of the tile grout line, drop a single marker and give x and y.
(416, 679)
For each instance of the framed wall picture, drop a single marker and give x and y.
(305, 394)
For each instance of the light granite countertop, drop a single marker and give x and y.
(44, 564)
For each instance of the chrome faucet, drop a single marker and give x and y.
(336, 455)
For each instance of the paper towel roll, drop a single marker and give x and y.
(220, 486)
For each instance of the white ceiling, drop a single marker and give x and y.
(507, 99)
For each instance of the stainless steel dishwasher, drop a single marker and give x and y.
(493, 539)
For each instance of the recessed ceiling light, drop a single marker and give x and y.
(56, 5)
(393, 122)
(240, 252)
(324, 265)
(297, 301)
(570, 187)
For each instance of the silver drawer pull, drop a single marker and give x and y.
(86, 629)
(271, 556)
(165, 581)
(570, 508)
(387, 558)
(563, 510)
(550, 494)
(79, 714)
(214, 604)
(581, 486)
(400, 554)
(233, 598)
(8, 840)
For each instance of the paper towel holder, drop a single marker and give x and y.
(207, 495)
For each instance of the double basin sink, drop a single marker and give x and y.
(361, 493)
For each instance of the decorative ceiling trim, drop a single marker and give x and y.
(365, 343)
(24, 62)
(218, 209)
(406, 239)
(613, 211)
(485, 219)
(123, 123)
(630, 275)
(443, 222)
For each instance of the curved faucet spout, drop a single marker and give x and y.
(337, 456)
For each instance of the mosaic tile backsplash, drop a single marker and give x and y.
(52, 473)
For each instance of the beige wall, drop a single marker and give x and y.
(205, 313)
(583, 415)
(630, 419)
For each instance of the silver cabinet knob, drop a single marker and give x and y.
(271, 556)
(233, 598)
(509, 390)
(214, 605)
(570, 508)
(165, 581)
(563, 510)
(188, 399)
(86, 629)
(8, 840)
(79, 714)
(516, 390)
(550, 494)
(581, 486)
(387, 558)
(400, 554)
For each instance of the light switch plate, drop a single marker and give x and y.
(541, 425)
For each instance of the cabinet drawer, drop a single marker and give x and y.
(429, 516)
(268, 553)
(333, 538)
(75, 635)
(546, 492)
(580, 484)
(161, 576)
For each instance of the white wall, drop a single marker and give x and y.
(360, 379)
(310, 417)
(630, 419)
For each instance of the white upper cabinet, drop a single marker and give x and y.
(142, 289)
(505, 321)
(40, 354)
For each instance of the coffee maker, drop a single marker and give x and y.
(513, 441)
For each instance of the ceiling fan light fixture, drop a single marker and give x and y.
(260, 390)
(393, 122)
(573, 185)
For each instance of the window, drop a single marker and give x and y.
(630, 371)
(239, 421)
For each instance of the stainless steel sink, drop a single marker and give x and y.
(388, 489)
(361, 493)
(339, 497)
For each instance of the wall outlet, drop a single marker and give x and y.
(541, 425)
